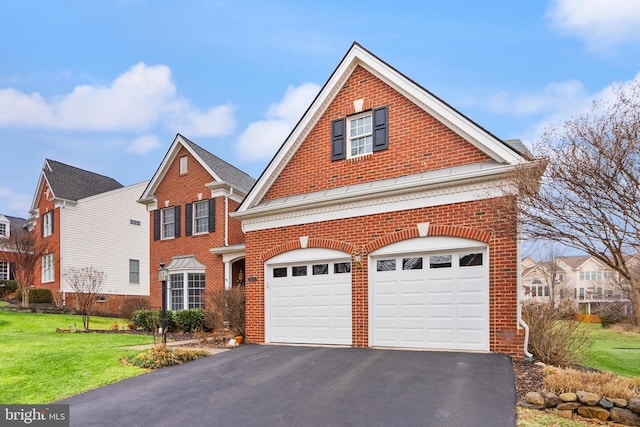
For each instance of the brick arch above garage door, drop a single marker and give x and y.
(433, 231)
(291, 245)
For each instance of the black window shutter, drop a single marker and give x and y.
(42, 226)
(177, 221)
(380, 134)
(188, 219)
(212, 215)
(338, 141)
(156, 224)
(52, 223)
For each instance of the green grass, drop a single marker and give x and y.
(613, 351)
(39, 365)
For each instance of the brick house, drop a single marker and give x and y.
(7, 225)
(371, 227)
(188, 202)
(88, 220)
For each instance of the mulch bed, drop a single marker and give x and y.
(529, 377)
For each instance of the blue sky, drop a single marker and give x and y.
(106, 85)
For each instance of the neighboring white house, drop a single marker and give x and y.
(119, 243)
(583, 280)
(90, 220)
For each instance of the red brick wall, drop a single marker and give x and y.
(109, 307)
(417, 143)
(469, 220)
(53, 241)
(179, 190)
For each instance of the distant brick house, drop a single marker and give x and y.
(371, 227)
(8, 224)
(188, 202)
(88, 219)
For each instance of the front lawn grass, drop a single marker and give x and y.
(613, 351)
(40, 365)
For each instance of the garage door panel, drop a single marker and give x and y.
(312, 308)
(439, 308)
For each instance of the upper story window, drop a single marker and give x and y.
(4, 230)
(360, 134)
(201, 217)
(47, 224)
(183, 165)
(168, 223)
(593, 275)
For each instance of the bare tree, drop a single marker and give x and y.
(25, 250)
(589, 197)
(86, 283)
(554, 276)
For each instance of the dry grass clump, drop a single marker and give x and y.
(605, 384)
(161, 356)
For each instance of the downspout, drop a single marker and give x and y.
(521, 322)
(226, 216)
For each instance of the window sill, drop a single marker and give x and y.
(359, 158)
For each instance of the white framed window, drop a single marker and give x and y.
(4, 270)
(201, 217)
(4, 230)
(47, 227)
(183, 297)
(48, 268)
(360, 135)
(134, 271)
(184, 165)
(168, 223)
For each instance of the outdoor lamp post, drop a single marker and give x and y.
(163, 276)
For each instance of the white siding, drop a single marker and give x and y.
(97, 231)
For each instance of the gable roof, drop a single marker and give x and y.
(500, 151)
(219, 170)
(71, 183)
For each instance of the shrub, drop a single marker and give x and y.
(150, 320)
(8, 287)
(161, 356)
(190, 320)
(37, 295)
(225, 306)
(131, 305)
(552, 340)
(613, 313)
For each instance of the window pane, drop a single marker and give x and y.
(280, 272)
(470, 260)
(386, 265)
(201, 217)
(342, 267)
(176, 284)
(412, 263)
(196, 287)
(439, 261)
(168, 219)
(320, 269)
(4, 270)
(134, 271)
(300, 270)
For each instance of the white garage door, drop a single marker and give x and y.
(435, 300)
(310, 302)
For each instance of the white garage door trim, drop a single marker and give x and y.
(470, 325)
(331, 291)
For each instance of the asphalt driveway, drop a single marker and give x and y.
(308, 386)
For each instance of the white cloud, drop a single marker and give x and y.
(261, 139)
(143, 144)
(16, 203)
(602, 24)
(137, 100)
